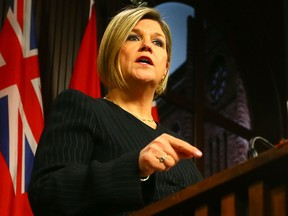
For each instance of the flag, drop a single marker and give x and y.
(155, 111)
(85, 77)
(21, 112)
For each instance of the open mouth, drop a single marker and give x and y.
(145, 60)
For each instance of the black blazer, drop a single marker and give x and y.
(86, 161)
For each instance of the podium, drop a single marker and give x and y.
(257, 187)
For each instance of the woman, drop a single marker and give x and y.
(108, 156)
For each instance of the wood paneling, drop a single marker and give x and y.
(3, 11)
(256, 187)
(60, 27)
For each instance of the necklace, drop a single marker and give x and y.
(142, 119)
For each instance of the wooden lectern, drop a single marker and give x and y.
(257, 187)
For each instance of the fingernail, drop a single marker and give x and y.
(199, 153)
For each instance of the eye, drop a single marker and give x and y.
(158, 42)
(133, 37)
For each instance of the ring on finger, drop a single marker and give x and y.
(163, 158)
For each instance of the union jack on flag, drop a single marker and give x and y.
(21, 112)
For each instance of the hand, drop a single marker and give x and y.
(163, 153)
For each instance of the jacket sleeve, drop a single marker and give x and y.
(66, 179)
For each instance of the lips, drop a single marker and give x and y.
(144, 60)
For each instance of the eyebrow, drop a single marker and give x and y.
(155, 33)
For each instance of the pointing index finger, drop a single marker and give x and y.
(184, 149)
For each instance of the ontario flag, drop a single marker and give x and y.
(85, 77)
(21, 113)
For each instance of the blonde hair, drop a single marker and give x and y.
(116, 34)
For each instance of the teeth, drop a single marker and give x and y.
(144, 61)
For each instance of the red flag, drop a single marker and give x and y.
(155, 111)
(21, 114)
(85, 77)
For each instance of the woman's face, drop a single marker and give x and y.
(143, 56)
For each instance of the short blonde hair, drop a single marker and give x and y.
(116, 34)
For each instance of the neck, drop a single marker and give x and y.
(132, 108)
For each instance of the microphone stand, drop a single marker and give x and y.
(252, 152)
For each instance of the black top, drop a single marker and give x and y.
(86, 161)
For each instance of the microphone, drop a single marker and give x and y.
(252, 152)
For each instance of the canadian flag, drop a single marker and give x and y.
(85, 77)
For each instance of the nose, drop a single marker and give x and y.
(146, 46)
